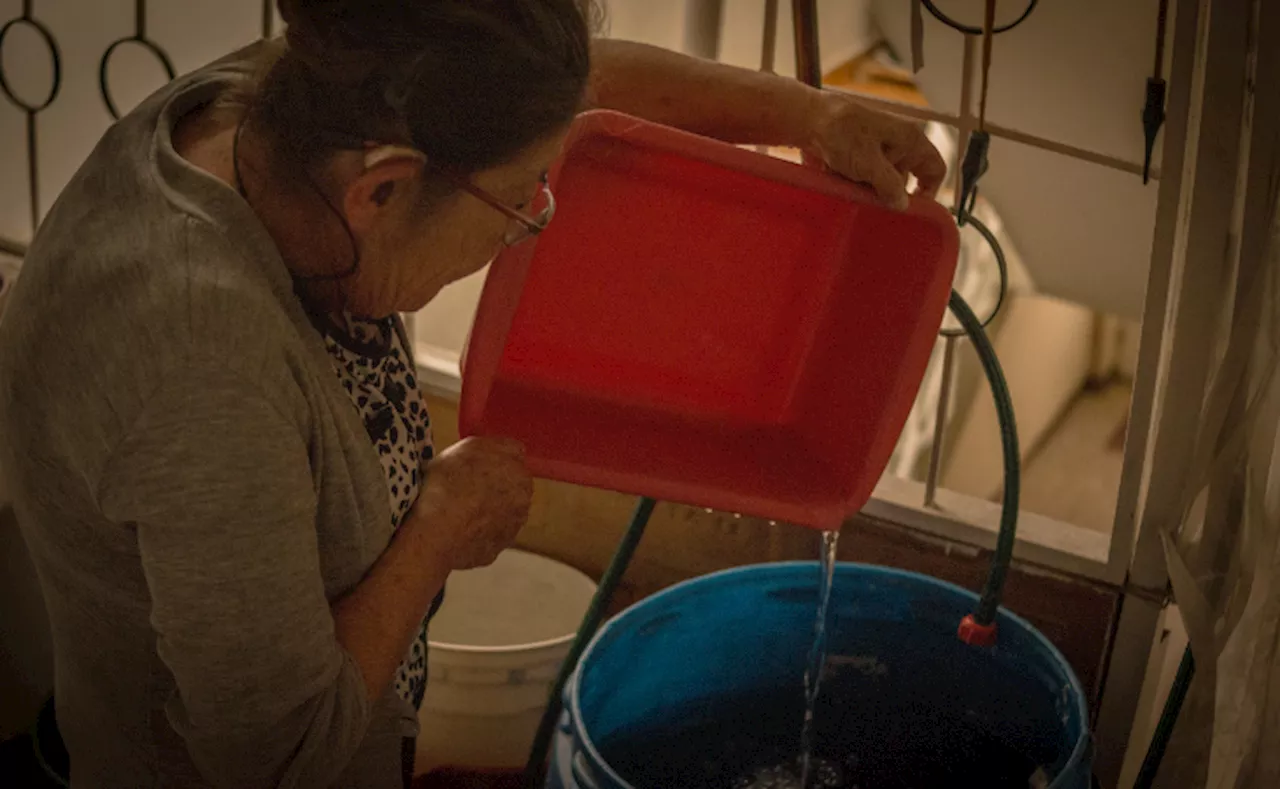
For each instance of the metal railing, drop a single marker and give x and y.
(808, 68)
(29, 19)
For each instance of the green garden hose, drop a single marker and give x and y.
(1168, 717)
(993, 590)
(535, 768)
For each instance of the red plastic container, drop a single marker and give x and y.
(705, 324)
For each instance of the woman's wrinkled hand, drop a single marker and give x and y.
(874, 148)
(475, 499)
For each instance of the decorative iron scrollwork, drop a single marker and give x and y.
(27, 19)
(139, 37)
(32, 108)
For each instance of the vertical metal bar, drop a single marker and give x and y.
(769, 47)
(940, 422)
(917, 36)
(964, 127)
(268, 18)
(1162, 22)
(804, 14)
(702, 28)
(140, 18)
(988, 26)
(769, 42)
(33, 170)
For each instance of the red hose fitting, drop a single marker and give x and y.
(976, 635)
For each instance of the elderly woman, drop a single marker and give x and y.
(218, 450)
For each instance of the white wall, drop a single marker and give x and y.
(657, 22)
(1074, 72)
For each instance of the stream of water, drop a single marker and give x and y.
(817, 654)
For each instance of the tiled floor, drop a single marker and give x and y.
(1075, 474)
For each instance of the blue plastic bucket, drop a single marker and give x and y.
(689, 658)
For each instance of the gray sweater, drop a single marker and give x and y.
(193, 483)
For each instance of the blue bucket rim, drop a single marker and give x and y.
(1078, 753)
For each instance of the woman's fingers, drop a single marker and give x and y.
(870, 166)
(878, 149)
(924, 162)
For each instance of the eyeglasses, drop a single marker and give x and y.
(542, 209)
(527, 223)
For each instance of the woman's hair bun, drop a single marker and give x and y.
(312, 34)
(295, 11)
(470, 83)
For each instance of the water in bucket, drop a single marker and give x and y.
(750, 744)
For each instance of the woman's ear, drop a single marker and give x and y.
(375, 189)
(382, 193)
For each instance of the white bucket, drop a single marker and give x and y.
(496, 646)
